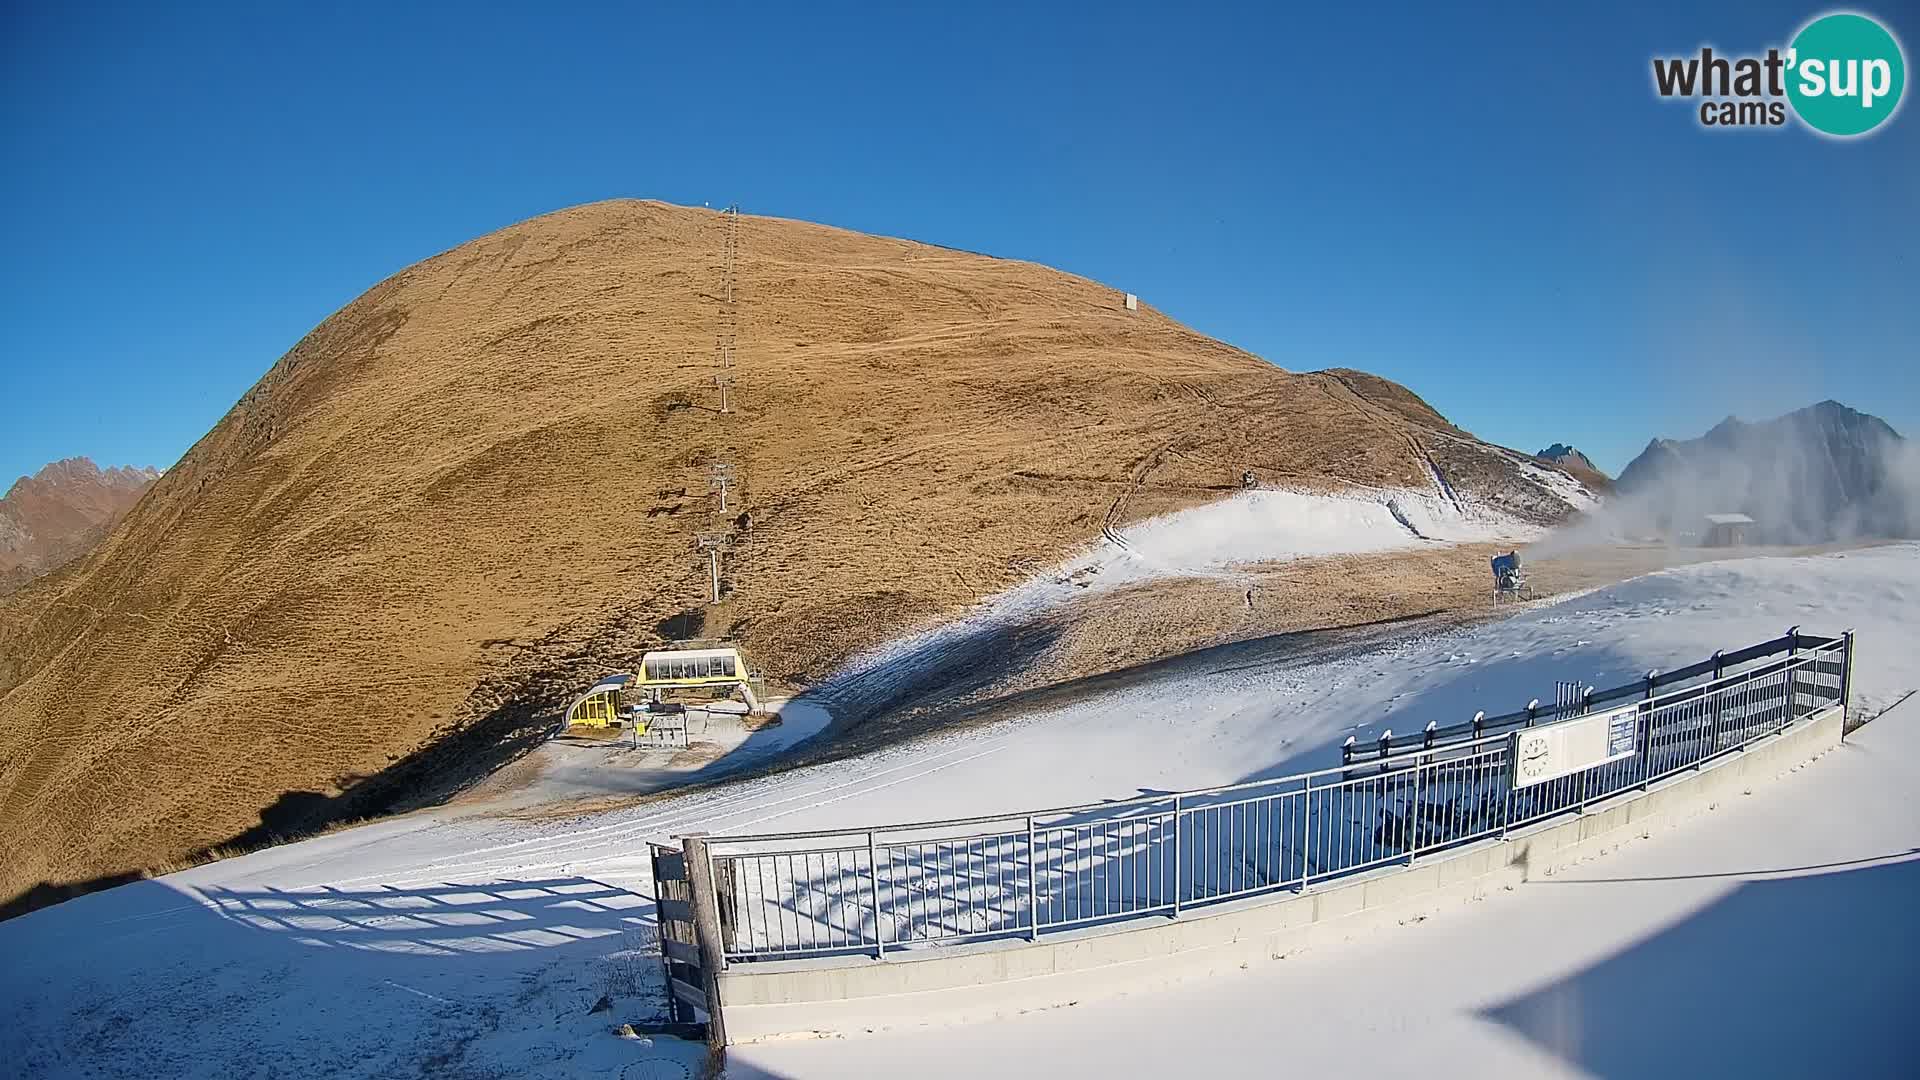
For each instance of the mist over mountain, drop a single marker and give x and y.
(1826, 472)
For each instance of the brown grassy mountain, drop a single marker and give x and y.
(480, 485)
(58, 513)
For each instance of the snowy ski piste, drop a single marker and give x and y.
(1772, 935)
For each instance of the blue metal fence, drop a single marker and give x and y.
(927, 884)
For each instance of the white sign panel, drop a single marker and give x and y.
(1555, 750)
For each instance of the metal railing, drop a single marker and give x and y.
(919, 885)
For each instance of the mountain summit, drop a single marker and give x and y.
(1576, 465)
(1562, 454)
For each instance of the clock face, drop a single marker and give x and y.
(1532, 755)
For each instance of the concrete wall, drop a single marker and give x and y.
(956, 984)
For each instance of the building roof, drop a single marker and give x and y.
(1729, 519)
(611, 682)
(688, 654)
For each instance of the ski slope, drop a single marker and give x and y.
(480, 944)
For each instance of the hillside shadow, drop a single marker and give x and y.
(1794, 976)
(991, 658)
(953, 662)
(49, 893)
(427, 777)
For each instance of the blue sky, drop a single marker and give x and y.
(1487, 204)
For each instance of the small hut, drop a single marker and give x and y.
(1727, 530)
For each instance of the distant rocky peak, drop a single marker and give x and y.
(1563, 454)
(60, 512)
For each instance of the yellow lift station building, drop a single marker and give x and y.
(602, 709)
(598, 710)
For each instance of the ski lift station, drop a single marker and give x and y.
(604, 709)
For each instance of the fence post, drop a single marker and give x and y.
(1033, 889)
(706, 923)
(1506, 795)
(1177, 866)
(1846, 684)
(873, 868)
(1718, 711)
(1793, 677)
(1646, 766)
(1480, 761)
(1306, 822)
(1413, 813)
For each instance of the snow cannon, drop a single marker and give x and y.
(1509, 580)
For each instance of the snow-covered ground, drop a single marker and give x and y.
(1216, 540)
(1259, 526)
(477, 945)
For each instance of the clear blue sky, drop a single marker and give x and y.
(1488, 205)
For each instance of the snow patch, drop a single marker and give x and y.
(1563, 486)
(1269, 526)
(1217, 540)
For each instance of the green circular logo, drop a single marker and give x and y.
(1845, 74)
